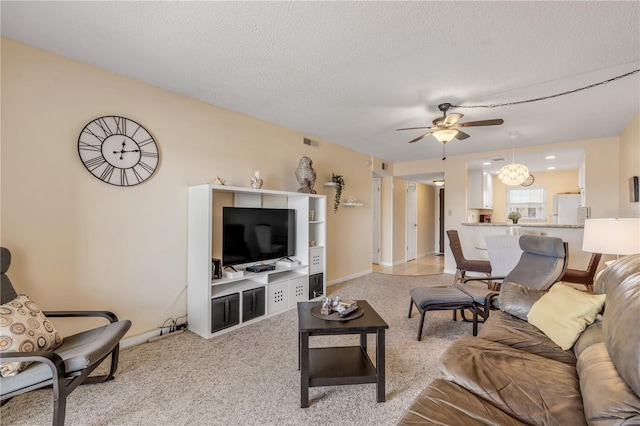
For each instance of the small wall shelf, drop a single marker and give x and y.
(352, 204)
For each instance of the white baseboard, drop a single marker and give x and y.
(152, 335)
(350, 277)
(403, 261)
(449, 271)
(166, 335)
(140, 338)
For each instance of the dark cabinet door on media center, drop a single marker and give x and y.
(253, 302)
(225, 312)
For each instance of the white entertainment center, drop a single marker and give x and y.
(219, 305)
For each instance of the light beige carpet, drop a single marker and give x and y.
(250, 376)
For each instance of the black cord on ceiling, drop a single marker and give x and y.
(550, 96)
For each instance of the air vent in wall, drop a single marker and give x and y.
(309, 142)
(498, 159)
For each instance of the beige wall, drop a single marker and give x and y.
(602, 187)
(79, 243)
(555, 182)
(376, 167)
(629, 166)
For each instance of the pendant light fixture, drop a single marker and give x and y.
(513, 174)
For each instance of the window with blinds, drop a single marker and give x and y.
(530, 202)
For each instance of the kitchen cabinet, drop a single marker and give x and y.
(479, 189)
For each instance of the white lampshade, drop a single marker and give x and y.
(513, 174)
(612, 236)
(445, 135)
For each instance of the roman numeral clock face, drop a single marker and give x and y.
(118, 151)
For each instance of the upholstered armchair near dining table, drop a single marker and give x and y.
(542, 263)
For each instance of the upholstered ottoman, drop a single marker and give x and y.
(441, 299)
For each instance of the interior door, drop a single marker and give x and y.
(412, 221)
(375, 231)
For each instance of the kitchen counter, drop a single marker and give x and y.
(474, 246)
(523, 225)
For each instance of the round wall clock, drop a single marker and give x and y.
(528, 181)
(118, 151)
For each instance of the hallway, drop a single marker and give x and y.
(427, 265)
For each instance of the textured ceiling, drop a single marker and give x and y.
(353, 72)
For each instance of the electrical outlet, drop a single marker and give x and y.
(450, 212)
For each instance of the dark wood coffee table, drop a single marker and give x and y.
(339, 365)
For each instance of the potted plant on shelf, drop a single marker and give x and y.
(339, 181)
(514, 216)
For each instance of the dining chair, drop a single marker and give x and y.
(504, 254)
(584, 277)
(464, 265)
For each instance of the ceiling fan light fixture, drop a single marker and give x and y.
(513, 174)
(445, 135)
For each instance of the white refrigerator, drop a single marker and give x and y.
(565, 209)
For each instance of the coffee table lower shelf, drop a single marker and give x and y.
(347, 365)
(340, 365)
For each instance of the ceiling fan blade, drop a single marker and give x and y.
(452, 119)
(462, 135)
(413, 128)
(493, 122)
(421, 137)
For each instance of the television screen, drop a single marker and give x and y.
(254, 234)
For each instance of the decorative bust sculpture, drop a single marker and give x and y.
(306, 175)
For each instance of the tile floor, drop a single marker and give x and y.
(426, 265)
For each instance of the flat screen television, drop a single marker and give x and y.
(255, 234)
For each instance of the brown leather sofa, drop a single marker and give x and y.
(513, 374)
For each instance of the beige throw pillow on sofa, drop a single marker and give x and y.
(564, 312)
(24, 328)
